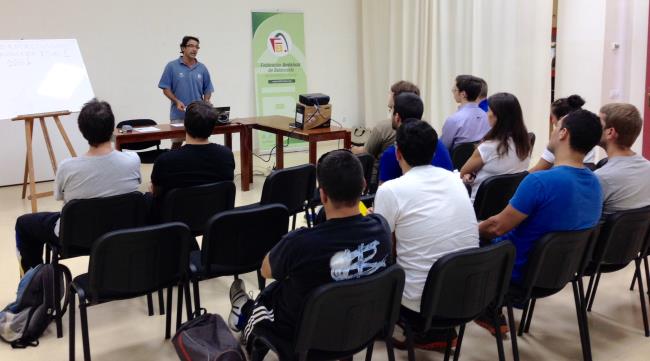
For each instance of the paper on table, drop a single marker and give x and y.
(176, 124)
(146, 129)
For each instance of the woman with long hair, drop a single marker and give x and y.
(505, 149)
(560, 108)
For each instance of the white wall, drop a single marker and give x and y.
(587, 62)
(126, 44)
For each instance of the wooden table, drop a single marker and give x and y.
(167, 131)
(280, 126)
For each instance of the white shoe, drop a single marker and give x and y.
(238, 299)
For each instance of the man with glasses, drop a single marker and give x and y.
(185, 80)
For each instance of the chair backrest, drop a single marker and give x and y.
(346, 315)
(532, 138)
(494, 194)
(195, 205)
(461, 285)
(555, 260)
(239, 239)
(622, 236)
(137, 261)
(83, 221)
(367, 163)
(139, 123)
(601, 163)
(290, 186)
(461, 153)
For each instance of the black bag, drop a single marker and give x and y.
(24, 321)
(207, 338)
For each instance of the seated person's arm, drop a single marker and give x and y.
(471, 167)
(266, 268)
(154, 189)
(501, 223)
(542, 164)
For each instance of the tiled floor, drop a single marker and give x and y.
(123, 331)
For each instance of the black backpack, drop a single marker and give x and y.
(207, 338)
(24, 321)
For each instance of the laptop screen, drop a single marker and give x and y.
(223, 114)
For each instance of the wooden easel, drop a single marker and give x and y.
(29, 158)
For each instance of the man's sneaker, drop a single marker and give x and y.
(487, 323)
(238, 299)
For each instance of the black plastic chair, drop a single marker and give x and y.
(340, 319)
(623, 239)
(460, 286)
(461, 153)
(494, 194)
(195, 205)
(83, 221)
(557, 259)
(293, 187)
(532, 138)
(236, 242)
(367, 163)
(130, 263)
(147, 157)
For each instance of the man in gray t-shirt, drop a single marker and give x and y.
(100, 172)
(624, 178)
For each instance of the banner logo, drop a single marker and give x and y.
(279, 43)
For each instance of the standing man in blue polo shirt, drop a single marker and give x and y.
(185, 80)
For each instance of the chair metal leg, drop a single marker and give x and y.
(57, 297)
(150, 304)
(179, 306)
(461, 332)
(499, 336)
(647, 270)
(389, 347)
(197, 295)
(633, 282)
(513, 335)
(581, 322)
(642, 297)
(161, 302)
(293, 226)
(585, 321)
(71, 325)
(261, 281)
(368, 351)
(84, 329)
(188, 300)
(524, 315)
(410, 340)
(168, 317)
(593, 293)
(448, 348)
(529, 318)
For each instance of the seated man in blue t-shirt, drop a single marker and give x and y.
(566, 197)
(408, 106)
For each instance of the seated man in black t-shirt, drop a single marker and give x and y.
(197, 162)
(346, 246)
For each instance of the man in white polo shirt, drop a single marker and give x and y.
(430, 215)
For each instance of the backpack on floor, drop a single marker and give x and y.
(23, 321)
(207, 338)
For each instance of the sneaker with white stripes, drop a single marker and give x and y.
(238, 299)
